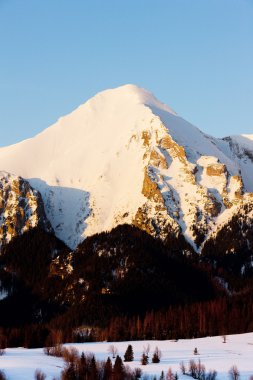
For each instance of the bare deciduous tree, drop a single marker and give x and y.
(146, 349)
(193, 369)
(201, 371)
(182, 368)
(113, 350)
(39, 375)
(234, 374)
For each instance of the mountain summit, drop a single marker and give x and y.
(125, 157)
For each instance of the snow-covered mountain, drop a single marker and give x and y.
(125, 157)
(21, 208)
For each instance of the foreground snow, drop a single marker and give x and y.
(20, 363)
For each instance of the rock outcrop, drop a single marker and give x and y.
(21, 208)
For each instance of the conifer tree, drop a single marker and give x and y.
(118, 369)
(129, 354)
(93, 369)
(144, 359)
(156, 356)
(108, 370)
(82, 367)
(169, 375)
(69, 373)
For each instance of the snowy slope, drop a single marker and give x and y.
(125, 157)
(20, 364)
(240, 149)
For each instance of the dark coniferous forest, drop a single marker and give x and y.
(121, 285)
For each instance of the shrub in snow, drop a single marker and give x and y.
(212, 375)
(39, 375)
(54, 351)
(137, 373)
(70, 355)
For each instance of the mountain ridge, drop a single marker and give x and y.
(124, 157)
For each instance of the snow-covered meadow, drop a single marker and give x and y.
(20, 363)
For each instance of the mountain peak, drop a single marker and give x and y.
(125, 157)
(131, 93)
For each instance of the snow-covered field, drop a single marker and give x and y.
(20, 363)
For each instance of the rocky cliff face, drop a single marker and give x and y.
(21, 208)
(124, 157)
(185, 194)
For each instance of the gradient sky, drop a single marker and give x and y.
(194, 55)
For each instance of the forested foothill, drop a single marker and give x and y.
(121, 285)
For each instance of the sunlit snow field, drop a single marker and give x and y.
(20, 363)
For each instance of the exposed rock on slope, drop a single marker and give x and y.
(21, 208)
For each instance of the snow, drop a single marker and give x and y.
(239, 149)
(20, 363)
(89, 166)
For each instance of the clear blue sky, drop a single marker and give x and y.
(194, 55)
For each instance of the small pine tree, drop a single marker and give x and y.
(156, 356)
(162, 377)
(144, 359)
(129, 354)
